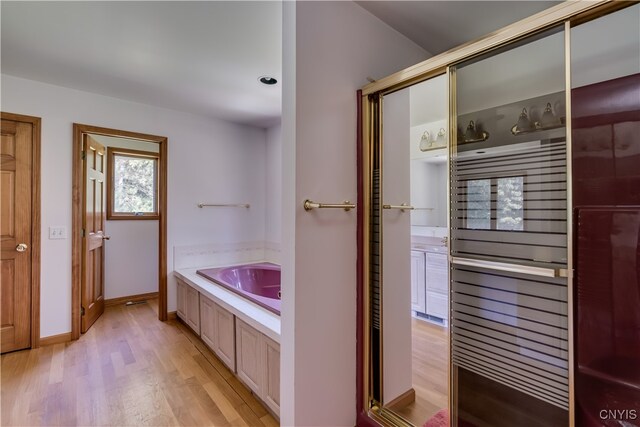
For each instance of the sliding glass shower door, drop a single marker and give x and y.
(508, 207)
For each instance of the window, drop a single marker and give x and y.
(506, 202)
(133, 184)
(510, 203)
(479, 204)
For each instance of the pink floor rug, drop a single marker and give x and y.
(441, 419)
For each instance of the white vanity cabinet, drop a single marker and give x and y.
(188, 308)
(418, 284)
(430, 282)
(437, 284)
(217, 330)
(258, 364)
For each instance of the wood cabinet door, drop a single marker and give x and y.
(193, 309)
(224, 336)
(248, 366)
(418, 281)
(438, 305)
(15, 231)
(437, 269)
(93, 218)
(271, 379)
(181, 310)
(207, 322)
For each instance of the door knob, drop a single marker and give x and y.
(105, 237)
(22, 247)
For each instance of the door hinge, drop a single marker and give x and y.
(81, 311)
(83, 232)
(84, 154)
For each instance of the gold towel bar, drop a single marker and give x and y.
(511, 268)
(403, 207)
(346, 205)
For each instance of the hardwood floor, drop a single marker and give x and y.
(430, 371)
(128, 369)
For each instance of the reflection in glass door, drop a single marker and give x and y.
(414, 265)
(510, 347)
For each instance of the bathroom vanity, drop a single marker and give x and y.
(430, 279)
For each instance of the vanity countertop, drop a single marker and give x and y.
(428, 244)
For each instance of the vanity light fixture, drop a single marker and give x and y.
(428, 142)
(267, 80)
(425, 141)
(473, 134)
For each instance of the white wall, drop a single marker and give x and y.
(329, 48)
(396, 250)
(594, 58)
(131, 254)
(524, 72)
(273, 182)
(209, 160)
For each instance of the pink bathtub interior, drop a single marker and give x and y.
(259, 283)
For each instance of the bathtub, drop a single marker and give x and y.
(259, 283)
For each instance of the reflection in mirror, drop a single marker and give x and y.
(415, 281)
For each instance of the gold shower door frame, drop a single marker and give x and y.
(568, 14)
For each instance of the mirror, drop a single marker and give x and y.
(415, 336)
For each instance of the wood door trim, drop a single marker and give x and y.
(402, 400)
(35, 220)
(76, 220)
(133, 298)
(56, 339)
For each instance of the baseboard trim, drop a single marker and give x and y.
(172, 315)
(403, 400)
(55, 339)
(132, 298)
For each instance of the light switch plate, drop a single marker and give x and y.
(57, 232)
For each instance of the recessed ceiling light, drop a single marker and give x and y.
(268, 80)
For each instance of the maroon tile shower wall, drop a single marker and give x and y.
(606, 199)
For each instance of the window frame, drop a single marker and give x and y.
(493, 179)
(112, 152)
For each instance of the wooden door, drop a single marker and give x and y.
(15, 230)
(93, 219)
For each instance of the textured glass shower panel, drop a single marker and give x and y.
(512, 328)
(509, 207)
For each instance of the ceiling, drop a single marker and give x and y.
(199, 57)
(438, 26)
(203, 57)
